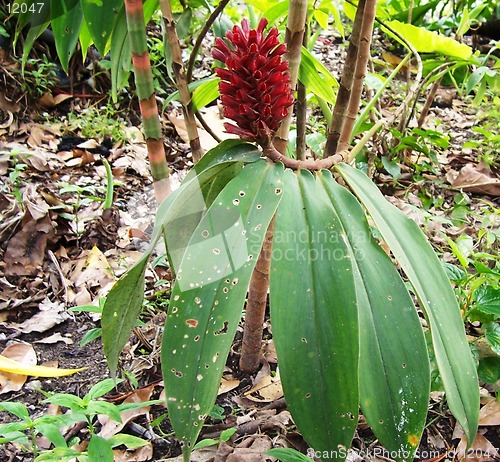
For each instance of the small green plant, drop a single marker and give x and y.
(488, 145)
(97, 122)
(39, 76)
(86, 409)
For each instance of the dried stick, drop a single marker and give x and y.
(181, 80)
(344, 93)
(365, 41)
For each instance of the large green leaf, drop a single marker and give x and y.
(426, 41)
(66, 25)
(394, 372)
(314, 315)
(100, 18)
(316, 77)
(435, 294)
(176, 219)
(209, 293)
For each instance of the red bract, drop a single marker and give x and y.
(255, 85)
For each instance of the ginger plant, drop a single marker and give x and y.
(346, 329)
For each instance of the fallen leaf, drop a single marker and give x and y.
(9, 365)
(19, 351)
(141, 454)
(111, 427)
(490, 413)
(55, 338)
(51, 314)
(227, 384)
(481, 450)
(26, 249)
(477, 179)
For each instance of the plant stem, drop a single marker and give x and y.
(256, 306)
(344, 93)
(301, 115)
(147, 101)
(181, 80)
(108, 202)
(295, 29)
(365, 41)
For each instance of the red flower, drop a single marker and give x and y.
(255, 87)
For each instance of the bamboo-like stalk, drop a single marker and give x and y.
(345, 88)
(295, 29)
(365, 41)
(147, 101)
(181, 80)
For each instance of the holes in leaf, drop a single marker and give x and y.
(259, 206)
(177, 373)
(205, 233)
(258, 227)
(199, 377)
(308, 395)
(196, 338)
(216, 251)
(403, 365)
(236, 202)
(176, 298)
(278, 191)
(192, 322)
(225, 290)
(303, 340)
(241, 193)
(197, 300)
(389, 297)
(223, 330)
(235, 281)
(174, 309)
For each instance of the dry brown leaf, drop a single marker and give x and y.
(228, 383)
(23, 353)
(51, 314)
(26, 250)
(110, 427)
(490, 413)
(477, 179)
(93, 271)
(55, 338)
(268, 387)
(481, 450)
(141, 454)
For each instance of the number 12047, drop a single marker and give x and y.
(22, 7)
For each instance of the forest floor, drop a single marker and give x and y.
(59, 250)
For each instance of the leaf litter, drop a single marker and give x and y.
(35, 290)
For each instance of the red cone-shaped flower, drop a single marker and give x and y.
(255, 87)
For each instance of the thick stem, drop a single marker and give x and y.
(256, 307)
(147, 101)
(301, 115)
(344, 93)
(181, 80)
(295, 28)
(365, 41)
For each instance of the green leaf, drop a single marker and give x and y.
(209, 293)
(120, 54)
(489, 369)
(492, 336)
(100, 20)
(487, 300)
(426, 41)
(177, 217)
(316, 77)
(205, 93)
(435, 294)
(205, 443)
(16, 408)
(314, 314)
(66, 27)
(66, 400)
(99, 450)
(129, 441)
(121, 309)
(104, 408)
(394, 371)
(53, 434)
(288, 455)
(101, 388)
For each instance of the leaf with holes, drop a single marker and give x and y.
(435, 294)
(176, 219)
(314, 314)
(209, 293)
(394, 372)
